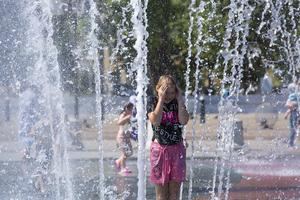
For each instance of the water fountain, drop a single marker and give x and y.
(44, 103)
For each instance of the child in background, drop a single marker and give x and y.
(44, 153)
(167, 115)
(29, 115)
(123, 139)
(133, 120)
(293, 114)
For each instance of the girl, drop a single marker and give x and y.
(123, 138)
(168, 114)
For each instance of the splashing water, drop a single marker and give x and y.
(42, 101)
(93, 53)
(139, 20)
(44, 77)
(121, 36)
(197, 78)
(188, 58)
(228, 108)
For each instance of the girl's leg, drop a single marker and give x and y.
(162, 192)
(128, 147)
(293, 127)
(174, 190)
(292, 137)
(292, 134)
(121, 161)
(126, 152)
(40, 185)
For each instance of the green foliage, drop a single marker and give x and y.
(168, 25)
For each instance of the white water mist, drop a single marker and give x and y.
(94, 55)
(45, 74)
(139, 65)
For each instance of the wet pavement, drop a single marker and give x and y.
(17, 185)
(264, 168)
(276, 178)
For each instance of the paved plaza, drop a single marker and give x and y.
(263, 168)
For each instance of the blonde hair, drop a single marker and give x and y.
(165, 79)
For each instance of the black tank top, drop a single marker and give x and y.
(169, 131)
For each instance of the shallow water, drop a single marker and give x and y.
(254, 179)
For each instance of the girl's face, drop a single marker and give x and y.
(170, 93)
(129, 110)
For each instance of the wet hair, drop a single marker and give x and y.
(127, 106)
(165, 79)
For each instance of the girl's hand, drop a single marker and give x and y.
(124, 118)
(162, 92)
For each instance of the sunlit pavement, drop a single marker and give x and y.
(266, 149)
(277, 179)
(273, 173)
(256, 180)
(264, 179)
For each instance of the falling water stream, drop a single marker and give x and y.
(190, 47)
(94, 55)
(42, 81)
(198, 47)
(238, 24)
(139, 20)
(122, 37)
(44, 75)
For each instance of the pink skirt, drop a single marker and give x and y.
(167, 163)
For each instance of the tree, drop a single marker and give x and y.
(168, 25)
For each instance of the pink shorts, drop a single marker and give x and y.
(167, 163)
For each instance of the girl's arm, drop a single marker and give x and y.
(124, 118)
(156, 115)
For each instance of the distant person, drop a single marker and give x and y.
(202, 109)
(123, 138)
(293, 114)
(133, 120)
(266, 84)
(167, 115)
(29, 114)
(44, 153)
(73, 130)
(35, 133)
